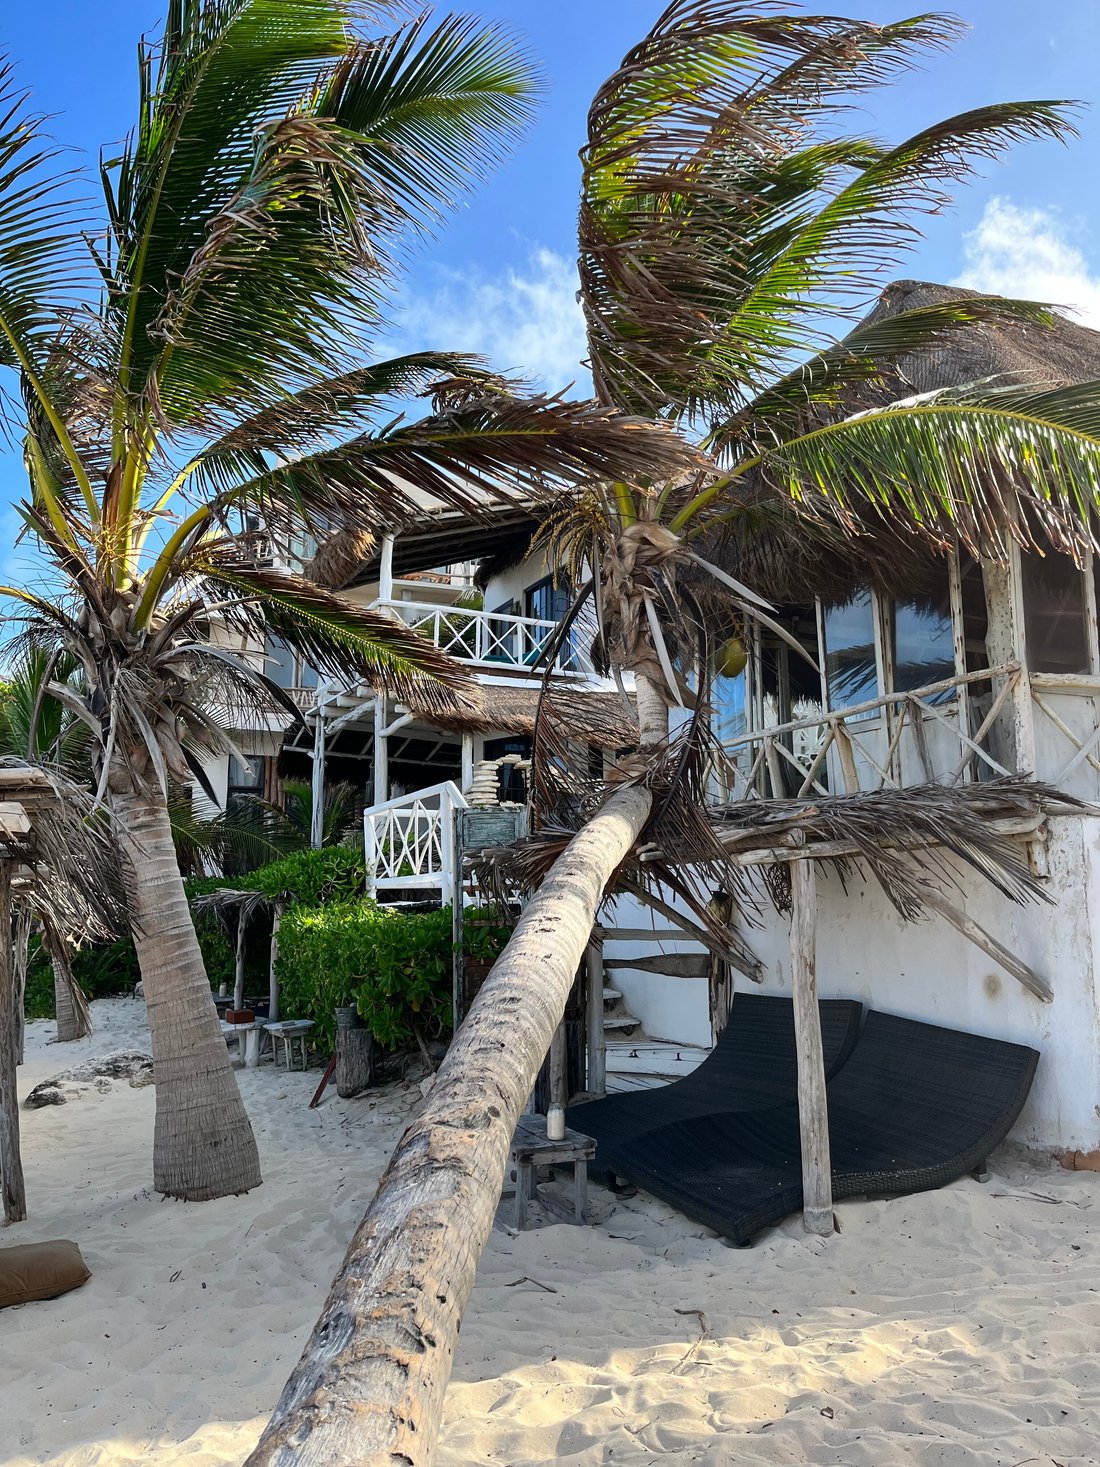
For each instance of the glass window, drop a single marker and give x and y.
(545, 601)
(924, 648)
(727, 696)
(850, 671)
(1054, 614)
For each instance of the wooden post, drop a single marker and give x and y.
(11, 1165)
(272, 976)
(1013, 738)
(813, 1111)
(238, 968)
(558, 1080)
(385, 571)
(596, 1076)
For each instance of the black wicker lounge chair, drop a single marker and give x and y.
(752, 1066)
(915, 1107)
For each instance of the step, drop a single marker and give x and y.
(611, 994)
(622, 1021)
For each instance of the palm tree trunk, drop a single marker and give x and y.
(203, 1144)
(70, 1006)
(369, 1386)
(20, 956)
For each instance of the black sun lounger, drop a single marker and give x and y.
(915, 1107)
(753, 1066)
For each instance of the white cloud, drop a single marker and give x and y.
(1026, 253)
(525, 321)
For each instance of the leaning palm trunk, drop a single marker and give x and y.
(74, 1019)
(203, 1144)
(369, 1386)
(20, 952)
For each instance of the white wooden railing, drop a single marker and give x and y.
(940, 733)
(494, 638)
(409, 841)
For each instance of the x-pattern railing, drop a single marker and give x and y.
(408, 840)
(757, 763)
(491, 637)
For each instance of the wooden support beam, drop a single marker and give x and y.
(596, 1075)
(813, 1110)
(12, 1187)
(668, 965)
(970, 929)
(14, 819)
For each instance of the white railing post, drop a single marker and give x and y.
(385, 570)
(446, 850)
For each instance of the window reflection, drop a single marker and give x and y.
(850, 672)
(924, 649)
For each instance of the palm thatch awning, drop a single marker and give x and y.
(64, 865)
(607, 720)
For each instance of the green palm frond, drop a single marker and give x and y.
(430, 107)
(982, 463)
(224, 68)
(335, 636)
(866, 358)
(722, 223)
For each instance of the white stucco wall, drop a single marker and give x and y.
(928, 971)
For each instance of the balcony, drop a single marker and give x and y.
(491, 639)
(983, 725)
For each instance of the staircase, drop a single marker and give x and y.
(618, 1021)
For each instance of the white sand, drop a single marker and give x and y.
(956, 1328)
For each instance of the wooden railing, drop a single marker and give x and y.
(409, 840)
(939, 733)
(493, 638)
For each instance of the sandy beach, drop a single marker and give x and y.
(953, 1329)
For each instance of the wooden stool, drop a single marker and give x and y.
(287, 1032)
(531, 1148)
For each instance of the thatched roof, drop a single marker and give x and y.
(775, 554)
(65, 863)
(603, 719)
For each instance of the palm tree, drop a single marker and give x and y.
(197, 393)
(727, 222)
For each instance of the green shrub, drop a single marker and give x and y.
(407, 984)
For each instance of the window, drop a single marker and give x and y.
(285, 667)
(851, 673)
(244, 782)
(545, 601)
(1055, 629)
(924, 648)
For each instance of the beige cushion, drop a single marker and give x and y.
(40, 1271)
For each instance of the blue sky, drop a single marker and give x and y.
(500, 280)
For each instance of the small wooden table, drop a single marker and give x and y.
(531, 1148)
(287, 1032)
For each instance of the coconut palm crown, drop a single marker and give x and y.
(731, 218)
(191, 376)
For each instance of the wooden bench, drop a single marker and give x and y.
(531, 1148)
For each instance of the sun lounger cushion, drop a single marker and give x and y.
(752, 1067)
(915, 1107)
(40, 1271)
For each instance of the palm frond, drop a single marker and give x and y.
(335, 636)
(481, 446)
(983, 463)
(868, 355)
(722, 223)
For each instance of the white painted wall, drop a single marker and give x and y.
(928, 971)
